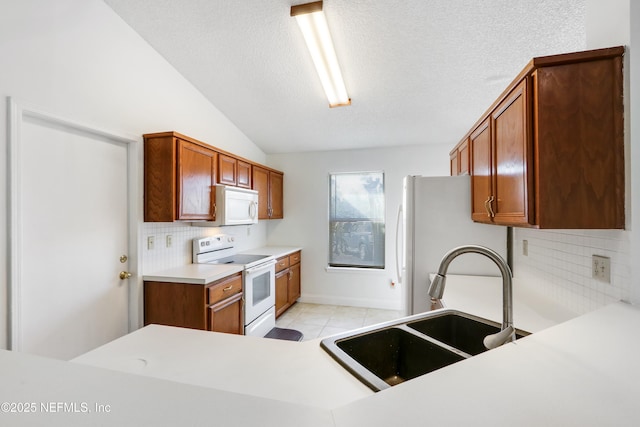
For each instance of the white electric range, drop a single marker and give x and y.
(258, 280)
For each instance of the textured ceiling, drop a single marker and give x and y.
(417, 71)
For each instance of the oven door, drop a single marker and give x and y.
(260, 289)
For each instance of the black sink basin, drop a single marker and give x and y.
(390, 353)
(395, 355)
(462, 332)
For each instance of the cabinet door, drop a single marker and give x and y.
(294, 283)
(275, 195)
(453, 162)
(481, 173)
(243, 174)
(196, 177)
(160, 305)
(227, 169)
(282, 292)
(463, 158)
(226, 316)
(511, 148)
(261, 185)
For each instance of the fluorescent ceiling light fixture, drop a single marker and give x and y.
(313, 25)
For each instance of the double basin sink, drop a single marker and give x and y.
(390, 353)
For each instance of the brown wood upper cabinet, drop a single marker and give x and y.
(233, 171)
(269, 184)
(244, 174)
(178, 179)
(180, 173)
(227, 169)
(549, 153)
(459, 159)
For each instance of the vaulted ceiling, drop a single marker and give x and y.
(417, 71)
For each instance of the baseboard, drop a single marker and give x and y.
(351, 302)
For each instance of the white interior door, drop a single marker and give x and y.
(73, 231)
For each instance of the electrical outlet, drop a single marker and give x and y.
(168, 240)
(601, 268)
(525, 247)
(151, 242)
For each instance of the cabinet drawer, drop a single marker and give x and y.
(294, 258)
(282, 263)
(224, 289)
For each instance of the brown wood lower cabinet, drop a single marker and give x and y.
(226, 316)
(214, 307)
(287, 282)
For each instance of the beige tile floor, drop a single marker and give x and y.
(319, 321)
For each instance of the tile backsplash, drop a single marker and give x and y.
(162, 257)
(559, 265)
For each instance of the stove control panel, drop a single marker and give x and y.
(212, 243)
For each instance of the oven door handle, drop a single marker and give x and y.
(262, 266)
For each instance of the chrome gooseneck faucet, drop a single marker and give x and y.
(436, 290)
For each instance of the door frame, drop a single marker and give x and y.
(17, 113)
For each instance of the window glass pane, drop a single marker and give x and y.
(356, 220)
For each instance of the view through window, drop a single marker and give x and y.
(356, 220)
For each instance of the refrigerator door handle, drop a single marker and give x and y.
(398, 236)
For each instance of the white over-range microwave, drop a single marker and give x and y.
(234, 206)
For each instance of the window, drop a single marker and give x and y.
(356, 220)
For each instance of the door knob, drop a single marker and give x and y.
(125, 275)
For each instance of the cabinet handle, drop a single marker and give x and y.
(228, 288)
(488, 207)
(290, 274)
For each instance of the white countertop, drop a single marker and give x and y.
(196, 274)
(584, 372)
(35, 391)
(202, 274)
(295, 372)
(276, 251)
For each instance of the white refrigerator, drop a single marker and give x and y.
(435, 216)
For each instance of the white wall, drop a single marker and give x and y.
(306, 187)
(78, 60)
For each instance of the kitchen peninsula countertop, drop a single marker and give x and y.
(295, 372)
(581, 372)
